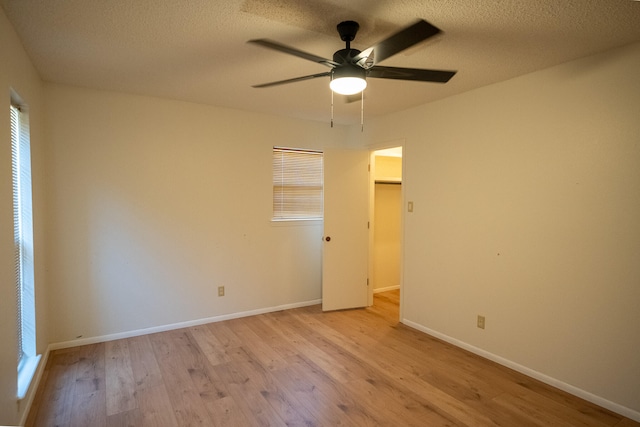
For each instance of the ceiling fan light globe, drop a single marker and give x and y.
(348, 85)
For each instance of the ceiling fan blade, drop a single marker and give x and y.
(292, 51)
(293, 80)
(396, 43)
(417, 74)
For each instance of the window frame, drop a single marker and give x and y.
(297, 184)
(27, 359)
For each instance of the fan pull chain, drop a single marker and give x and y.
(362, 111)
(331, 108)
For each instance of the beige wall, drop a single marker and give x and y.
(156, 203)
(388, 168)
(17, 73)
(527, 199)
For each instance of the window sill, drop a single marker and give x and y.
(26, 371)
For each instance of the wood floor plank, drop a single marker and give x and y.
(272, 336)
(321, 398)
(120, 385)
(212, 348)
(298, 367)
(329, 357)
(378, 396)
(176, 354)
(224, 333)
(281, 405)
(146, 372)
(155, 407)
(259, 348)
(245, 392)
(198, 364)
(131, 418)
(90, 376)
(89, 409)
(546, 408)
(224, 411)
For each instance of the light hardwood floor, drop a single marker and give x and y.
(297, 367)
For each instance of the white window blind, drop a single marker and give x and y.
(23, 239)
(297, 184)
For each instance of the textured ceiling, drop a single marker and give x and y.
(196, 50)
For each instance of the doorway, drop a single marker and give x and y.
(386, 209)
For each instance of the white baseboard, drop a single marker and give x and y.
(388, 288)
(170, 327)
(600, 401)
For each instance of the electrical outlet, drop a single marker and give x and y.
(480, 322)
(220, 291)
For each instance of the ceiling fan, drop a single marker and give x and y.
(350, 67)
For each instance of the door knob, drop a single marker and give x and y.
(328, 238)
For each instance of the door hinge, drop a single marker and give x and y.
(367, 281)
(368, 227)
(369, 167)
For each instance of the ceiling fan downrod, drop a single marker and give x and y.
(348, 31)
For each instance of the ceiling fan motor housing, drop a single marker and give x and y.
(348, 70)
(345, 56)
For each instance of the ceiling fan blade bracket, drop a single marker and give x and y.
(345, 56)
(365, 59)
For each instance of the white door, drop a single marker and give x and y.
(346, 233)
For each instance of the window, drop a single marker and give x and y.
(23, 238)
(297, 184)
